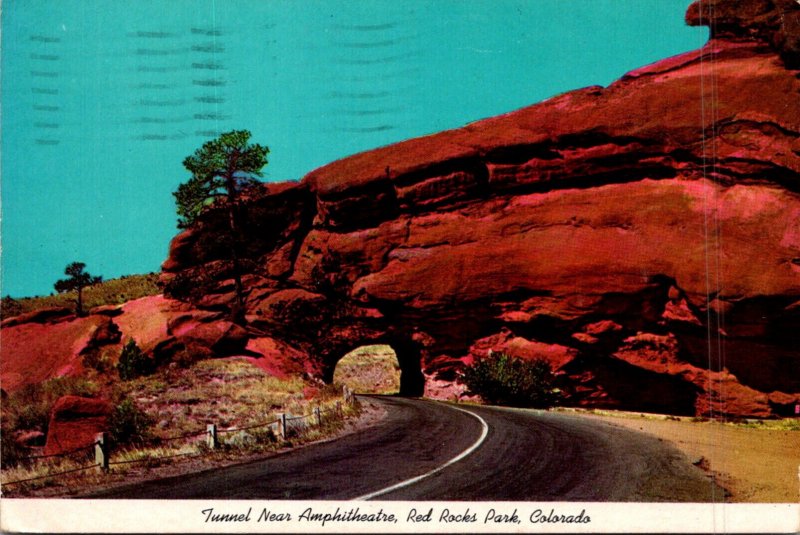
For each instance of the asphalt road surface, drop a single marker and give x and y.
(425, 450)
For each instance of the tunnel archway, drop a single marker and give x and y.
(371, 369)
(388, 368)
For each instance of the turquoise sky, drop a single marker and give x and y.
(102, 100)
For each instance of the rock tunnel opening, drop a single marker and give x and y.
(381, 369)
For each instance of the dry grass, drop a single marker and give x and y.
(369, 370)
(757, 461)
(231, 393)
(227, 392)
(46, 474)
(110, 292)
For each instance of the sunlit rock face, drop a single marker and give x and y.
(644, 238)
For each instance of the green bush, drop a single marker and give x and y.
(133, 363)
(500, 379)
(128, 424)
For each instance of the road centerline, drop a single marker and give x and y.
(474, 446)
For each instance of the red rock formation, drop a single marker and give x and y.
(54, 343)
(74, 423)
(171, 330)
(37, 348)
(644, 238)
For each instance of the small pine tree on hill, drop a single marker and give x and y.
(78, 280)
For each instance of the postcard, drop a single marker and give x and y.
(440, 266)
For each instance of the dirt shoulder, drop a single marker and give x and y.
(755, 464)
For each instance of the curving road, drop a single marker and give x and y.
(425, 450)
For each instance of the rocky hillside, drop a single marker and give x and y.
(644, 238)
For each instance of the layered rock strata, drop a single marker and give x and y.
(644, 238)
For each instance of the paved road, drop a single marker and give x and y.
(506, 454)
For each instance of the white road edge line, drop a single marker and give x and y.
(475, 445)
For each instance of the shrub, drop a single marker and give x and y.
(133, 363)
(10, 451)
(10, 307)
(500, 379)
(98, 359)
(128, 424)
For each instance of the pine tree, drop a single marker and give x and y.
(78, 280)
(221, 169)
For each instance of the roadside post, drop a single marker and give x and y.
(101, 451)
(211, 436)
(282, 425)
